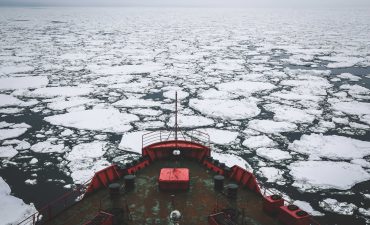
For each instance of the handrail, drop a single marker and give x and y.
(56, 206)
(160, 136)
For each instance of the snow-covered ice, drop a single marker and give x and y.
(85, 159)
(191, 121)
(271, 173)
(110, 120)
(132, 141)
(324, 174)
(269, 126)
(289, 114)
(7, 152)
(12, 83)
(307, 207)
(48, 147)
(258, 142)
(273, 154)
(332, 147)
(226, 109)
(12, 210)
(67, 91)
(332, 205)
(220, 137)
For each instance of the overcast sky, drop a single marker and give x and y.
(195, 3)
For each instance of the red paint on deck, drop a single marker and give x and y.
(103, 178)
(174, 179)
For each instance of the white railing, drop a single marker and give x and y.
(160, 136)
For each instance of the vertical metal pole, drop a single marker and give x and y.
(176, 118)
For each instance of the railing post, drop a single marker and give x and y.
(33, 219)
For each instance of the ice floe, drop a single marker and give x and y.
(61, 104)
(226, 109)
(353, 107)
(289, 114)
(66, 91)
(85, 159)
(12, 83)
(273, 154)
(332, 205)
(191, 121)
(245, 88)
(324, 175)
(107, 120)
(258, 142)
(308, 208)
(132, 142)
(331, 147)
(269, 126)
(7, 152)
(221, 137)
(133, 103)
(9, 100)
(48, 147)
(349, 76)
(12, 210)
(271, 173)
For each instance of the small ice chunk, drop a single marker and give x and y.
(34, 161)
(230, 160)
(365, 212)
(258, 142)
(12, 210)
(7, 152)
(332, 147)
(31, 181)
(269, 126)
(308, 208)
(48, 147)
(349, 76)
(332, 205)
(324, 174)
(132, 142)
(273, 154)
(106, 120)
(12, 83)
(226, 109)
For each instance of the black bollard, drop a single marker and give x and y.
(218, 182)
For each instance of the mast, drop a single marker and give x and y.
(176, 126)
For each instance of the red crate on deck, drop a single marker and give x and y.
(174, 179)
(292, 215)
(272, 203)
